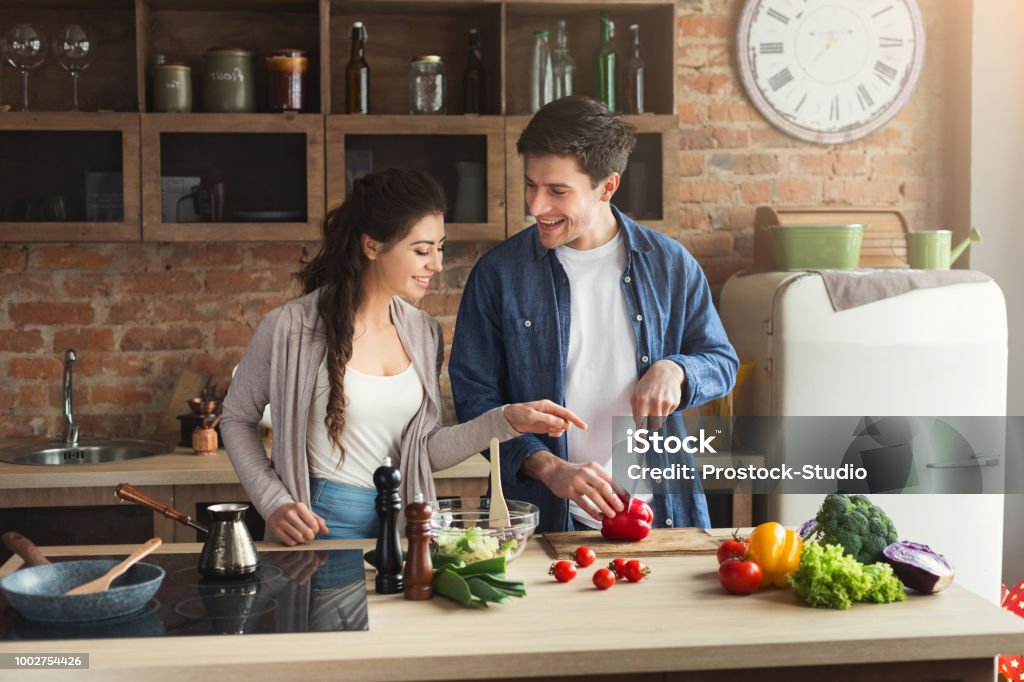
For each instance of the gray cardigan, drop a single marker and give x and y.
(279, 367)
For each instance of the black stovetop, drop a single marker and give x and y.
(297, 591)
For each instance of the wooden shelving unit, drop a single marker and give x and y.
(245, 152)
(440, 143)
(46, 155)
(278, 164)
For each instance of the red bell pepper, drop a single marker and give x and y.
(632, 523)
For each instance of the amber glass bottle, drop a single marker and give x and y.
(357, 74)
(475, 83)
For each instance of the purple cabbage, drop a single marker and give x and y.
(919, 566)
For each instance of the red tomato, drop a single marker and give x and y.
(635, 571)
(563, 571)
(617, 566)
(731, 549)
(739, 577)
(583, 556)
(603, 579)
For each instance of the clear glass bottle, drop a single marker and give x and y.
(635, 73)
(562, 63)
(475, 81)
(606, 63)
(427, 85)
(357, 74)
(542, 86)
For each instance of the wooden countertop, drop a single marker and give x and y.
(679, 620)
(182, 467)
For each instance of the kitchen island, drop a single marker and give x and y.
(677, 626)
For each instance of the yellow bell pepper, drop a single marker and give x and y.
(777, 551)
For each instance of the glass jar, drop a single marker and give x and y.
(427, 85)
(286, 80)
(228, 83)
(172, 87)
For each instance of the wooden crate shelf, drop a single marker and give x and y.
(131, 33)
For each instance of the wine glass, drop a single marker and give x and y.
(73, 48)
(26, 50)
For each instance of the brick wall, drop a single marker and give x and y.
(140, 313)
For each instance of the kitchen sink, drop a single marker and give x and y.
(85, 451)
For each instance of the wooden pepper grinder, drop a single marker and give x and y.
(419, 569)
(389, 544)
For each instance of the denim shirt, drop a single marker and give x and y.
(512, 342)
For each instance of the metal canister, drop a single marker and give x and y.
(172, 87)
(228, 81)
(286, 80)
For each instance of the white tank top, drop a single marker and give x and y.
(377, 411)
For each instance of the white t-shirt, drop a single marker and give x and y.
(600, 372)
(377, 411)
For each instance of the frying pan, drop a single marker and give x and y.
(37, 592)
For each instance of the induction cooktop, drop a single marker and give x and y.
(296, 591)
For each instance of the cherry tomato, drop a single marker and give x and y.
(635, 571)
(731, 549)
(563, 571)
(583, 556)
(617, 566)
(603, 579)
(739, 576)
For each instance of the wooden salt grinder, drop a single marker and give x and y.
(419, 570)
(389, 543)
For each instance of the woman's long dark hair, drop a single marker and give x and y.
(384, 206)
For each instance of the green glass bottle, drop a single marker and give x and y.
(606, 63)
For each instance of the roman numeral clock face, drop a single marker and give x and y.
(830, 71)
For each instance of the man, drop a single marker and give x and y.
(591, 310)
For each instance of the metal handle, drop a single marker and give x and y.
(974, 462)
(126, 492)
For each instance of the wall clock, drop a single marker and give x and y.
(830, 71)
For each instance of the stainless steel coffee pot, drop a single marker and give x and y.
(228, 552)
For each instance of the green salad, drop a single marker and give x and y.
(472, 544)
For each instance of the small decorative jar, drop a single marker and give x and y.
(228, 81)
(172, 87)
(427, 85)
(286, 80)
(204, 441)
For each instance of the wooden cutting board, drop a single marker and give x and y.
(661, 542)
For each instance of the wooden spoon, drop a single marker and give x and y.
(102, 584)
(498, 516)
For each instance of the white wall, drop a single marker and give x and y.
(997, 201)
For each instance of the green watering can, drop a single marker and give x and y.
(933, 249)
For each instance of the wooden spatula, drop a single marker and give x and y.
(102, 584)
(498, 515)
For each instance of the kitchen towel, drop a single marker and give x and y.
(852, 288)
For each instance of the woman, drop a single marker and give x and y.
(350, 371)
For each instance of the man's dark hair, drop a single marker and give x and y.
(584, 129)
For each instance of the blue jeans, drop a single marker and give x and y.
(348, 510)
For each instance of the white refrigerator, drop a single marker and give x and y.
(928, 353)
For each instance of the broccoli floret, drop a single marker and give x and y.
(857, 525)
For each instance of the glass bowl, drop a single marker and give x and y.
(459, 528)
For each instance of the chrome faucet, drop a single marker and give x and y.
(70, 427)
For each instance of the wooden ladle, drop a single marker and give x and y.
(498, 516)
(102, 584)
